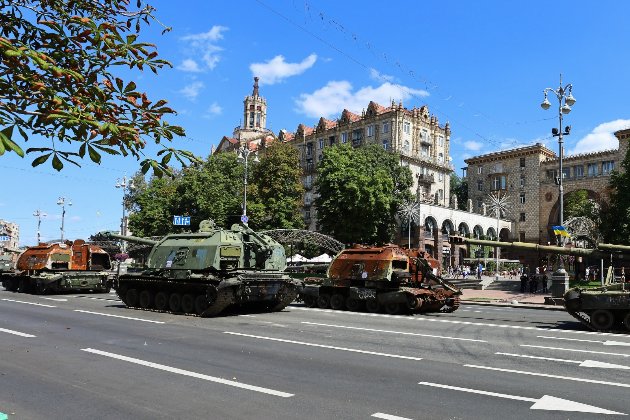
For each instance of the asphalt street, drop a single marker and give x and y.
(85, 356)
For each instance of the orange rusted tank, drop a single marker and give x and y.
(57, 267)
(386, 278)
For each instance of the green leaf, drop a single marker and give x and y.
(131, 86)
(94, 155)
(57, 163)
(41, 159)
(5, 136)
(82, 149)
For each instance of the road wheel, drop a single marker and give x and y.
(175, 302)
(392, 308)
(146, 299)
(131, 297)
(40, 288)
(414, 302)
(323, 301)
(337, 302)
(310, 301)
(23, 286)
(353, 304)
(626, 321)
(161, 301)
(201, 304)
(188, 303)
(602, 319)
(11, 285)
(372, 305)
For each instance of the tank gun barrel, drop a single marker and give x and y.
(625, 249)
(531, 247)
(135, 239)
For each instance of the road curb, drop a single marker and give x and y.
(518, 305)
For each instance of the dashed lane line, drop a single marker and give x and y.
(393, 332)
(119, 316)
(324, 346)
(575, 350)
(388, 417)
(190, 373)
(21, 334)
(29, 303)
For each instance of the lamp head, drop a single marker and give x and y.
(570, 100)
(554, 131)
(256, 160)
(567, 130)
(545, 104)
(565, 109)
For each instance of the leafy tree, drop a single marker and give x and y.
(277, 189)
(577, 204)
(459, 188)
(57, 82)
(616, 219)
(152, 208)
(360, 191)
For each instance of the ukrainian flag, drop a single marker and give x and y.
(560, 230)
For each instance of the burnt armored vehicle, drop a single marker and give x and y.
(59, 267)
(206, 272)
(386, 278)
(605, 308)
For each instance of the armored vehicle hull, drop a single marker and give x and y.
(60, 267)
(388, 279)
(209, 272)
(604, 308)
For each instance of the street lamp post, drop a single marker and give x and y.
(62, 202)
(565, 102)
(124, 184)
(243, 154)
(499, 204)
(39, 214)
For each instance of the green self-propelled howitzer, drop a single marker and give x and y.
(605, 308)
(206, 272)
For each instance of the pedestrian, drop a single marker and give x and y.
(533, 284)
(524, 281)
(544, 284)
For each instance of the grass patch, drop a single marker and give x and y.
(585, 285)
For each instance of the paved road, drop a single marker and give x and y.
(86, 356)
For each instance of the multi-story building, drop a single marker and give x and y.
(9, 239)
(423, 146)
(528, 176)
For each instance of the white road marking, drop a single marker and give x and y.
(393, 332)
(605, 343)
(21, 334)
(29, 303)
(575, 350)
(585, 363)
(388, 417)
(451, 321)
(189, 373)
(97, 298)
(546, 402)
(55, 299)
(119, 316)
(395, 356)
(546, 375)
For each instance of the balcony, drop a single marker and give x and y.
(426, 178)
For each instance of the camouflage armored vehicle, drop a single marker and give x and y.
(6, 263)
(387, 278)
(59, 267)
(207, 272)
(605, 308)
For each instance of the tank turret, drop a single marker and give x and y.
(205, 272)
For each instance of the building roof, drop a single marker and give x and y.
(537, 148)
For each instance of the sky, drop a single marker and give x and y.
(481, 66)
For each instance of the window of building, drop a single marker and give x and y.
(479, 204)
(309, 149)
(321, 143)
(357, 136)
(566, 173)
(406, 127)
(497, 168)
(331, 140)
(522, 198)
(370, 130)
(406, 146)
(479, 169)
(258, 119)
(440, 195)
(592, 169)
(479, 185)
(251, 120)
(307, 215)
(523, 162)
(441, 141)
(607, 167)
(386, 144)
(344, 138)
(320, 157)
(464, 172)
(522, 217)
(386, 127)
(499, 182)
(440, 157)
(440, 176)
(522, 181)
(425, 150)
(424, 136)
(521, 236)
(309, 181)
(551, 174)
(578, 171)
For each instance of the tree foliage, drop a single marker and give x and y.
(578, 204)
(360, 191)
(57, 82)
(459, 188)
(616, 218)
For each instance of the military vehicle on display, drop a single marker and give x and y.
(605, 308)
(6, 263)
(386, 278)
(207, 272)
(59, 267)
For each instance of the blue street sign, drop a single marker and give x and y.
(5, 238)
(244, 219)
(181, 220)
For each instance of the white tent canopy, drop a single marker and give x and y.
(324, 258)
(297, 258)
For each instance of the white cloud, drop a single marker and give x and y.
(189, 65)
(192, 90)
(601, 138)
(214, 109)
(276, 69)
(380, 77)
(204, 45)
(337, 95)
(473, 145)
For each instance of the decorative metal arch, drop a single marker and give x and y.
(583, 227)
(293, 236)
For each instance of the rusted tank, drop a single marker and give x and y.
(60, 267)
(207, 272)
(386, 278)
